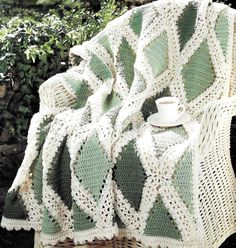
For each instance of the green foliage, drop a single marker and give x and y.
(24, 8)
(35, 47)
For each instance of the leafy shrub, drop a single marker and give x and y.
(34, 49)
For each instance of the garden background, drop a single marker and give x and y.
(35, 38)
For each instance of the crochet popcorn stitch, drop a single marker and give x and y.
(94, 169)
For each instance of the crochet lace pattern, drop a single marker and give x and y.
(95, 169)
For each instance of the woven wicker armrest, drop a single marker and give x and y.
(216, 178)
(215, 124)
(56, 95)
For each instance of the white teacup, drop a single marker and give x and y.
(169, 108)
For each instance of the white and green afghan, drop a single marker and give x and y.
(95, 169)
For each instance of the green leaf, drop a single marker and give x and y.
(23, 109)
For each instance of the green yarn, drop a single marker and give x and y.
(59, 177)
(44, 128)
(37, 166)
(92, 166)
(157, 54)
(186, 24)
(14, 207)
(14, 203)
(37, 178)
(182, 179)
(149, 106)
(73, 80)
(130, 175)
(160, 223)
(104, 41)
(118, 221)
(198, 74)
(50, 225)
(82, 221)
(135, 22)
(110, 101)
(99, 68)
(83, 93)
(80, 88)
(222, 30)
(126, 58)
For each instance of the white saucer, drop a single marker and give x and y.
(156, 120)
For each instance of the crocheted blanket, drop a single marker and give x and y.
(94, 168)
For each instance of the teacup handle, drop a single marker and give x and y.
(181, 111)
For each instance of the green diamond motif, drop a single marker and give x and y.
(135, 22)
(92, 166)
(50, 225)
(14, 207)
(157, 54)
(83, 92)
(82, 221)
(99, 68)
(104, 41)
(182, 179)
(198, 74)
(186, 24)
(110, 101)
(130, 175)
(160, 222)
(59, 177)
(222, 30)
(126, 57)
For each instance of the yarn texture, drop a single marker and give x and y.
(94, 168)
